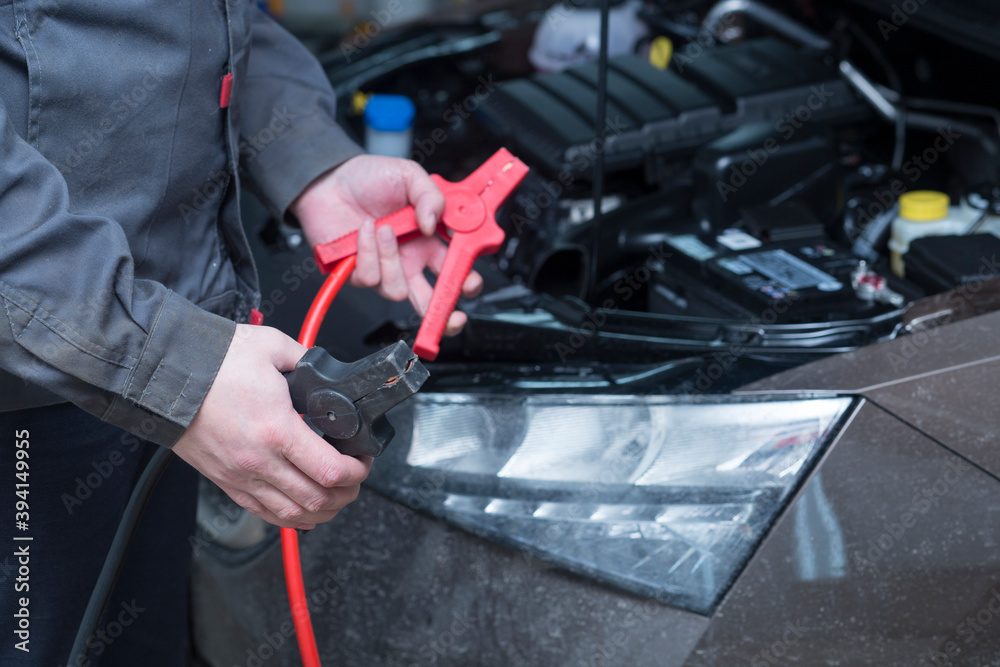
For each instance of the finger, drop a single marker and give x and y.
(257, 508)
(473, 285)
(284, 350)
(320, 462)
(304, 491)
(420, 293)
(286, 509)
(434, 254)
(366, 272)
(424, 194)
(393, 284)
(456, 321)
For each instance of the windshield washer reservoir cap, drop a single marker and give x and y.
(923, 205)
(389, 113)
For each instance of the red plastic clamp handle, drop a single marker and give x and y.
(468, 222)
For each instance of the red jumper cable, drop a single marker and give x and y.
(469, 226)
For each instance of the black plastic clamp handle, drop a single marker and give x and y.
(347, 402)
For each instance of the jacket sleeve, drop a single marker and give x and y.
(77, 322)
(288, 129)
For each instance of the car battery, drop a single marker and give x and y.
(735, 275)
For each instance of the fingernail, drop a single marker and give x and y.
(385, 235)
(427, 219)
(368, 228)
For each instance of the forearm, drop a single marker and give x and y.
(76, 320)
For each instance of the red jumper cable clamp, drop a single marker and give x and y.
(468, 225)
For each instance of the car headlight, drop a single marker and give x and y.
(664, 496)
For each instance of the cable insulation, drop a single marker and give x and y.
(289, 538)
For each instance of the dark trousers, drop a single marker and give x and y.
(80, 474)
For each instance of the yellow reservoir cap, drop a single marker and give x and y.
(661, 49)
(924, 205)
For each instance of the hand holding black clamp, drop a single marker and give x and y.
(347, 402)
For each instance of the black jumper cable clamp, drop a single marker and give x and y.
(346, 402)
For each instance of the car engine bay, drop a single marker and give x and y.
(749, 188)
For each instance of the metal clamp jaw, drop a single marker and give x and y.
(347, 402)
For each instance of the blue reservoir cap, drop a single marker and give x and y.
(389, 113)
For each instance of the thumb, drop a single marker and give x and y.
(287, 352)
(424, 194)
(281, 350)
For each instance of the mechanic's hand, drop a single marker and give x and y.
(249, 440)
(358, 192)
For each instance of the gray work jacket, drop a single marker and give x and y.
(126, 128)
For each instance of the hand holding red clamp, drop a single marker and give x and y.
(468, 224)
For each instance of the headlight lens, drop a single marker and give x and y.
(665, 496)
